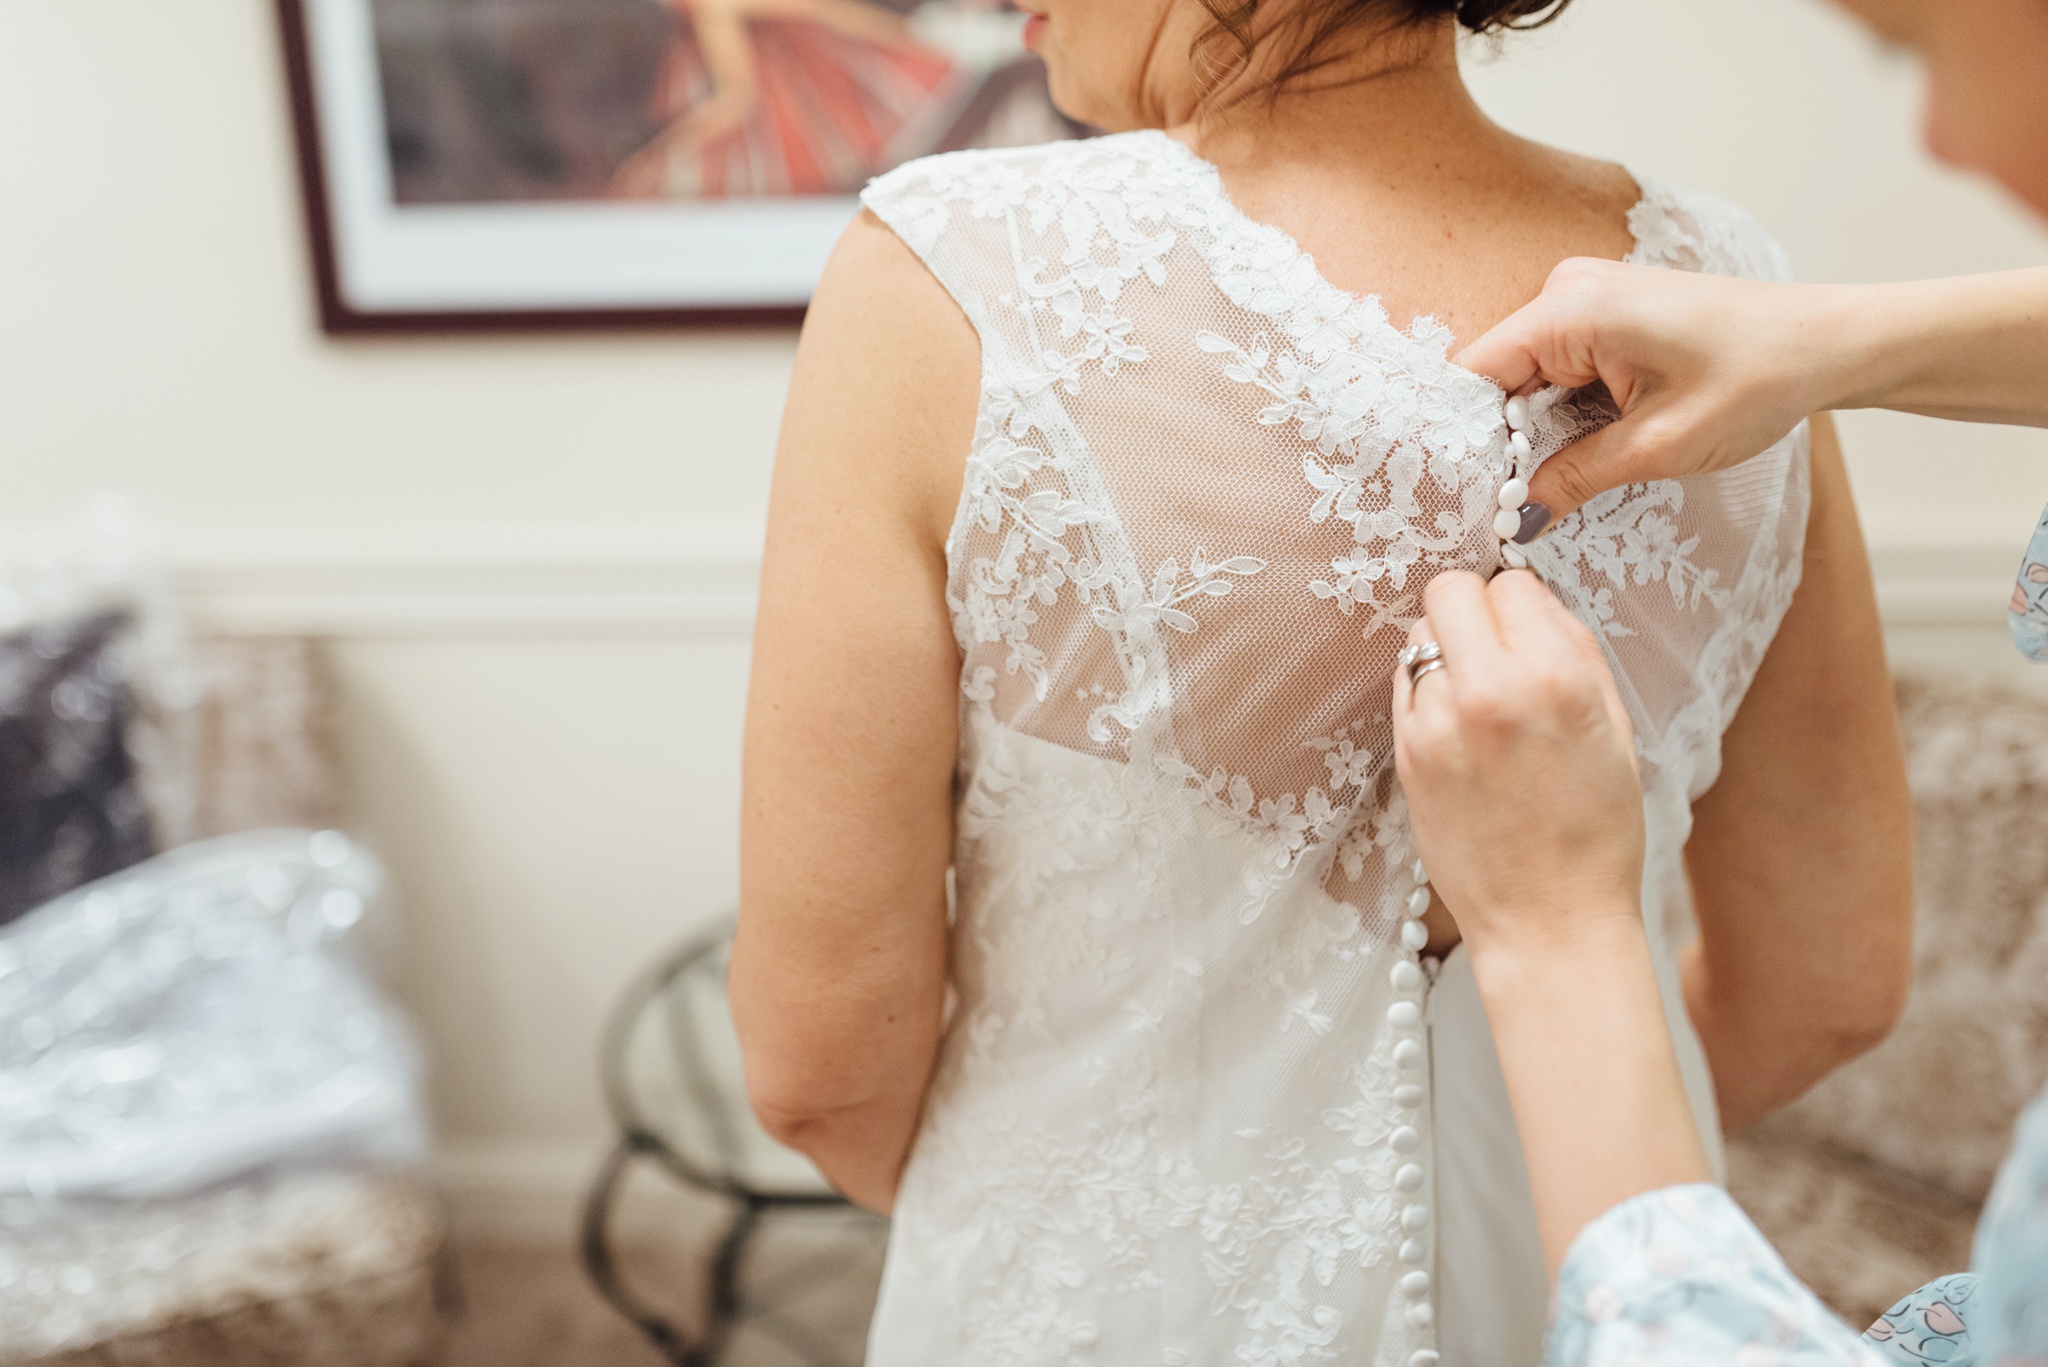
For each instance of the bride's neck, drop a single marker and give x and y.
(1378, 105)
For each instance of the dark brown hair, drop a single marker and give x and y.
(1316, 25)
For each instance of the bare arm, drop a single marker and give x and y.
(1517, 766)
(1801, 854)
(1711, 370)
(1973, 349)
(839, 971)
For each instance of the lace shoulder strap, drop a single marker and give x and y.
(948, 208)
(1037, 243)
(956, 211)
(1692, 230)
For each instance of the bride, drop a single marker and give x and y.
(1081, 928)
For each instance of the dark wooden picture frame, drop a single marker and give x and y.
(347, 179)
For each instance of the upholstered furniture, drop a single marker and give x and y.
(1870, 1185)
(298, 1268)
(71, 809)
(304, 1269)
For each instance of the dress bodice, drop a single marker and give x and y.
(1184, 1109)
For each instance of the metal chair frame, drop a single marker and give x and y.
(639, 1141)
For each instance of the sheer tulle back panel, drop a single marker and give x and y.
(1280, 665)
(1207, 490)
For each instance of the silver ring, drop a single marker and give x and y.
(1415, 674)
(1419, 653)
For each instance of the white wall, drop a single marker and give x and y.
(535, 554)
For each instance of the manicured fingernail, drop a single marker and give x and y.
(1535, 517)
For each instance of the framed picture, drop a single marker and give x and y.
(576, 163)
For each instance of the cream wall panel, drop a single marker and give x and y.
(553, 816)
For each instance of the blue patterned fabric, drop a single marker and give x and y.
(2027, 613)
(1930, 1326)
(1681, 1278)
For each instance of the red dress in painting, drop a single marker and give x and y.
(823, 104)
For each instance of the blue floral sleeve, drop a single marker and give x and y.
(1929, 1326)
(2027, 613)
(1681, 1278)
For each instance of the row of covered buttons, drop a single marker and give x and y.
(1405, 1015)
(1508, 521)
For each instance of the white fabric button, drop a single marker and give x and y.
(1414, 935)
(1415, 1285)
(1409, 1178)
(1423, 1357)
(1506, 523)
(1406, 977)
(1412, 1251)
(1519, 444)
(1407, 1054)
(1420, 1315)
(1404, 1139)
(1514, 494)
(1518, 413)
(1408, 1095)
(1418, 902)
(1406, 1015)
(1414, 1218)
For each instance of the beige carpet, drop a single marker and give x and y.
(1859, 1234)
(533, 1305)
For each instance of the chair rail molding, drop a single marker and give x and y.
(689, 581)
(1945, 583)
(700, 581)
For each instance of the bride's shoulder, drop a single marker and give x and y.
(1671, 224)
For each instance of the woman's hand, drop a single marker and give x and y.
(1519, 768)
(1519, 765)
(1710, 370)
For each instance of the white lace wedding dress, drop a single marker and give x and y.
(1197, 1103)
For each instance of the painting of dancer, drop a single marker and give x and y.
(500, 101)
(594, 163)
